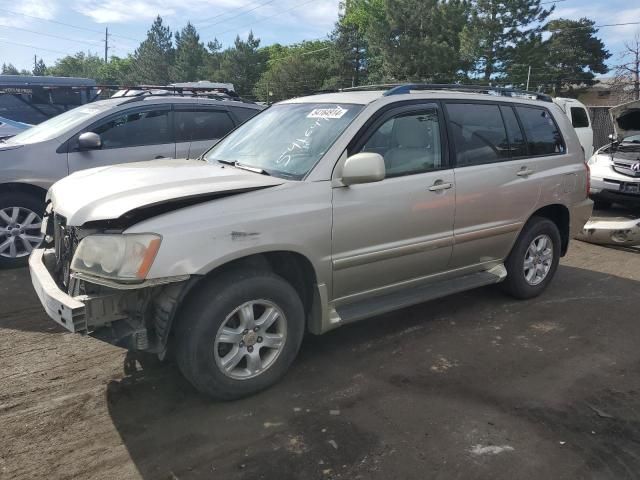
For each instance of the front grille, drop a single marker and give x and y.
(65, 243)
(627, 168)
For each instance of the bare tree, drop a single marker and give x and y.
(627, 73)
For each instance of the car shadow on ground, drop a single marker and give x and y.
(551, 383)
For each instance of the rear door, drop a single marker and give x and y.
(131, 135)
(198, 127)
(399, 229)
(499, 170)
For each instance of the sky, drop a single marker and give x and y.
(50, 29)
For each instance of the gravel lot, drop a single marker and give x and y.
(473, 386)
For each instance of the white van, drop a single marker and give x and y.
(579, 116)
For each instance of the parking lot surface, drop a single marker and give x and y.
(476, 385)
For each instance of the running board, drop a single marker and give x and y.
(423, 293)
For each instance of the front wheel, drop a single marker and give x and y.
(20, 221)
(534, 259)
(239, 333)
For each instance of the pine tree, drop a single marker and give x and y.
(189, 55)
(574, 54)
(153, 58)
(243, 64)
(495, 30)
(40, 69)
(9, 69)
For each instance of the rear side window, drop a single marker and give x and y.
(478, 132)
(201, 124)
(543, 135)
(517, 143)
(244, 114)
(579, 117)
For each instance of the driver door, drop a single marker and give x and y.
(400, 229)
(131, 135)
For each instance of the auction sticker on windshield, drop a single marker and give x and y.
(337, 112)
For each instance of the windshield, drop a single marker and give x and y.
(632, 139)
(59, 124)
(287, 139)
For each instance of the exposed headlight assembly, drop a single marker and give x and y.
(126, 257)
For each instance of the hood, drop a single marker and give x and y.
(154, 187)
(626, 119)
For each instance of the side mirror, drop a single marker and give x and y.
(89, 141)
(363, 167)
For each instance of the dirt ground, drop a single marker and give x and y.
(473, 386)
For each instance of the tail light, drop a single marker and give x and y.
(588, 182)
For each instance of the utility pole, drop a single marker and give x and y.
(35, 62)
(528, 77)
(106, 44)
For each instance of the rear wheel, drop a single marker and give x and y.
(534, 259)
(239, 333)
(20, 221)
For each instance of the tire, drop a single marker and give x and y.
(522, 282)
(201, 349)
(14, 231)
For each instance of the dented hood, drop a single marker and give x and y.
(114, 192)
(626, 119)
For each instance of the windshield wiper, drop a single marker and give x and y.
(244, 167)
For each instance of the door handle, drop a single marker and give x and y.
(439, 185)
(525, 172)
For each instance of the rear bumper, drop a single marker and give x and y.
(580, 214)
(62, 308)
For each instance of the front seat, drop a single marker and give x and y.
(412, 152)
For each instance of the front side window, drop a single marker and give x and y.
(287, 139)
(409, 143)
(135, 128)
(478, 133)
(543, 135)
(202, 124)
(579, 117)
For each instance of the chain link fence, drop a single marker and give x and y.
(601, 124)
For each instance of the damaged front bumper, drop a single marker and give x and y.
(137, 318)
(612, 230)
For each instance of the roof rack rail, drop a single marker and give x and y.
(403, 88)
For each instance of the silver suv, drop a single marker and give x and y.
(318, 212)
(118, 130)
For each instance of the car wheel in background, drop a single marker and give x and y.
(534, 259)
(20, 221)
(239, 333)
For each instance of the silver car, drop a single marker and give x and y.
(615, 168)
(319, 212)
(119, 130)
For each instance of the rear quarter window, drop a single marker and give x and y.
(543, 135)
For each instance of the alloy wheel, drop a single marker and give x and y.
(19, 232)
(538, 259)
(250, 339)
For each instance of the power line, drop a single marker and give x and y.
(235, 16)
(266, 18)
(51, 35)
(64, 24)
(2, 40)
